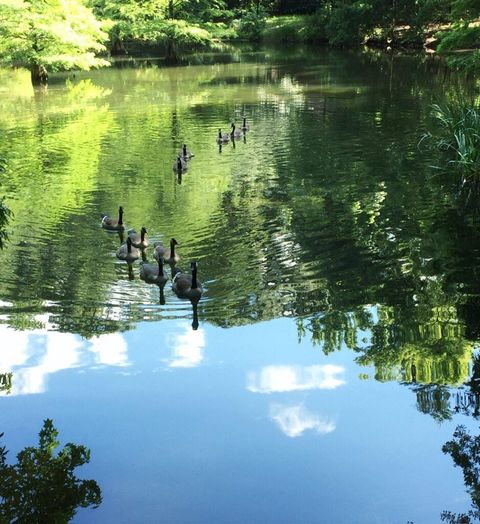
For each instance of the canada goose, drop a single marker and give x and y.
(154, 273)
(223, 138)
(245, 126)
(169, 256)
(111, 224)
(187, 286)
(127, 252)
(138, 240)
(185, 154)
(180, 166)
(235, 133)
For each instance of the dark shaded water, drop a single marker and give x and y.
(327, 213)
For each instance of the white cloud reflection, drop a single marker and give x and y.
(35, 355)
(295, 420)
(276, 379)
(110, 350)
(187, 347)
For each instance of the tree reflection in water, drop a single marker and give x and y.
(42, 487)
(6, 382)
(465, 452)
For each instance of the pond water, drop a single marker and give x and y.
(335, 351)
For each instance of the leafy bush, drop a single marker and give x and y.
(315, 27)
(252, 23)
(459, 136)
(346, 24)
(465, 61)
(221, 31)
(296, 28)
(463, 37)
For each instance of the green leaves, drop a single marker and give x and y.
(459, 135)
(60, 34)
(42, 487)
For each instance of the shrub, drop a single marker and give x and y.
(459, 136)
(463, 37)
(346, 24)
(252, 23)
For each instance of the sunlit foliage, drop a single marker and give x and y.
(49, 35)
(459, 136)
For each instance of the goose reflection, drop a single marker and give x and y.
(189, 287)
(155, 274)
(195, 316)
(121, 237)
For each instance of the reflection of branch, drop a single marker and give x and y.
(6, 382)
(434, 400)
(42, 486)
(442, 403)
(465, 452)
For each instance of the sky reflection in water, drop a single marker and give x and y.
(196, 413)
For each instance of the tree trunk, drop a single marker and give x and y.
(38, 75)
(118, 48)
(172, 52)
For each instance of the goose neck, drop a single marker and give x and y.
(194, 278)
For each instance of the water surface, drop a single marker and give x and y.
(337, 332)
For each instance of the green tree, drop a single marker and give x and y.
(49, 35)
(42, 487)
(157, 22)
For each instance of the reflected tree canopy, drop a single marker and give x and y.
(465, 452)
(374, 252)
(5, 212)
(42, 487)
(6, 382)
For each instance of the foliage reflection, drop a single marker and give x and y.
(306, 219)
(42, 486)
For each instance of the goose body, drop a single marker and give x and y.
(128, 253)
(154, 273)
(138, 240)
(185, 154)
(235, 133)
(111, 224)
(169, 256)
(222, 138)
(187, 286)
(180, 166)
(245, 126)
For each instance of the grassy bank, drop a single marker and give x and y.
(295, 28)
